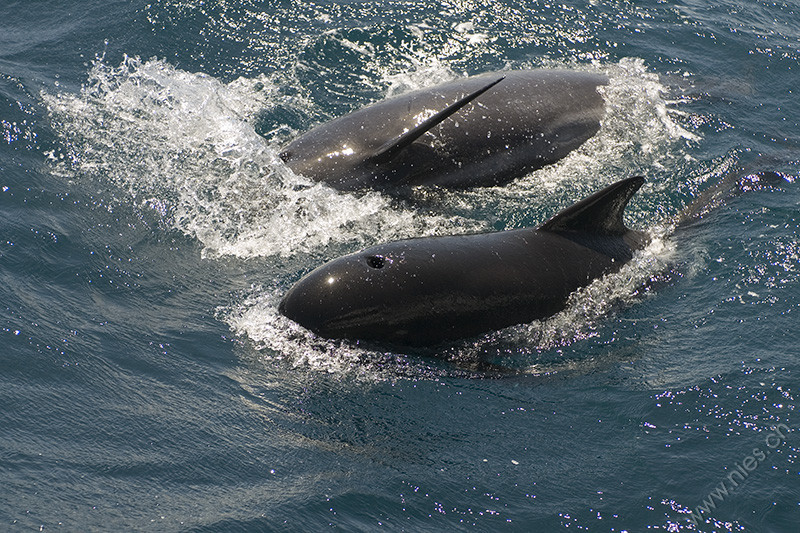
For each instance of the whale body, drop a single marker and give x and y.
(482, 130)
(424, 291)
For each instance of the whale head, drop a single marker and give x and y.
(360, 295)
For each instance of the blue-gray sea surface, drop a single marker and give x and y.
(147, 382)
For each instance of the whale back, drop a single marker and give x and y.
(431, 289)
(477, 131)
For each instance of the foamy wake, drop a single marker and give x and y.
(184, 145)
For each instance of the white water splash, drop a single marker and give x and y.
(184, 145)
(639, 135)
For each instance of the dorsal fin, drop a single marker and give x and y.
(392, 148)
(600, 213)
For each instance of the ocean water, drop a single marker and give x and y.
(147, 382)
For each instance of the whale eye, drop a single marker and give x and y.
(376, 261)
(285, 156)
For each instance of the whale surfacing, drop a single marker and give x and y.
(424, 291)
(478, 131)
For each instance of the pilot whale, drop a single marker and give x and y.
(477, 131)
(424, 291)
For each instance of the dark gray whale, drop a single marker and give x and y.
(479, 131)
(425, 291)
